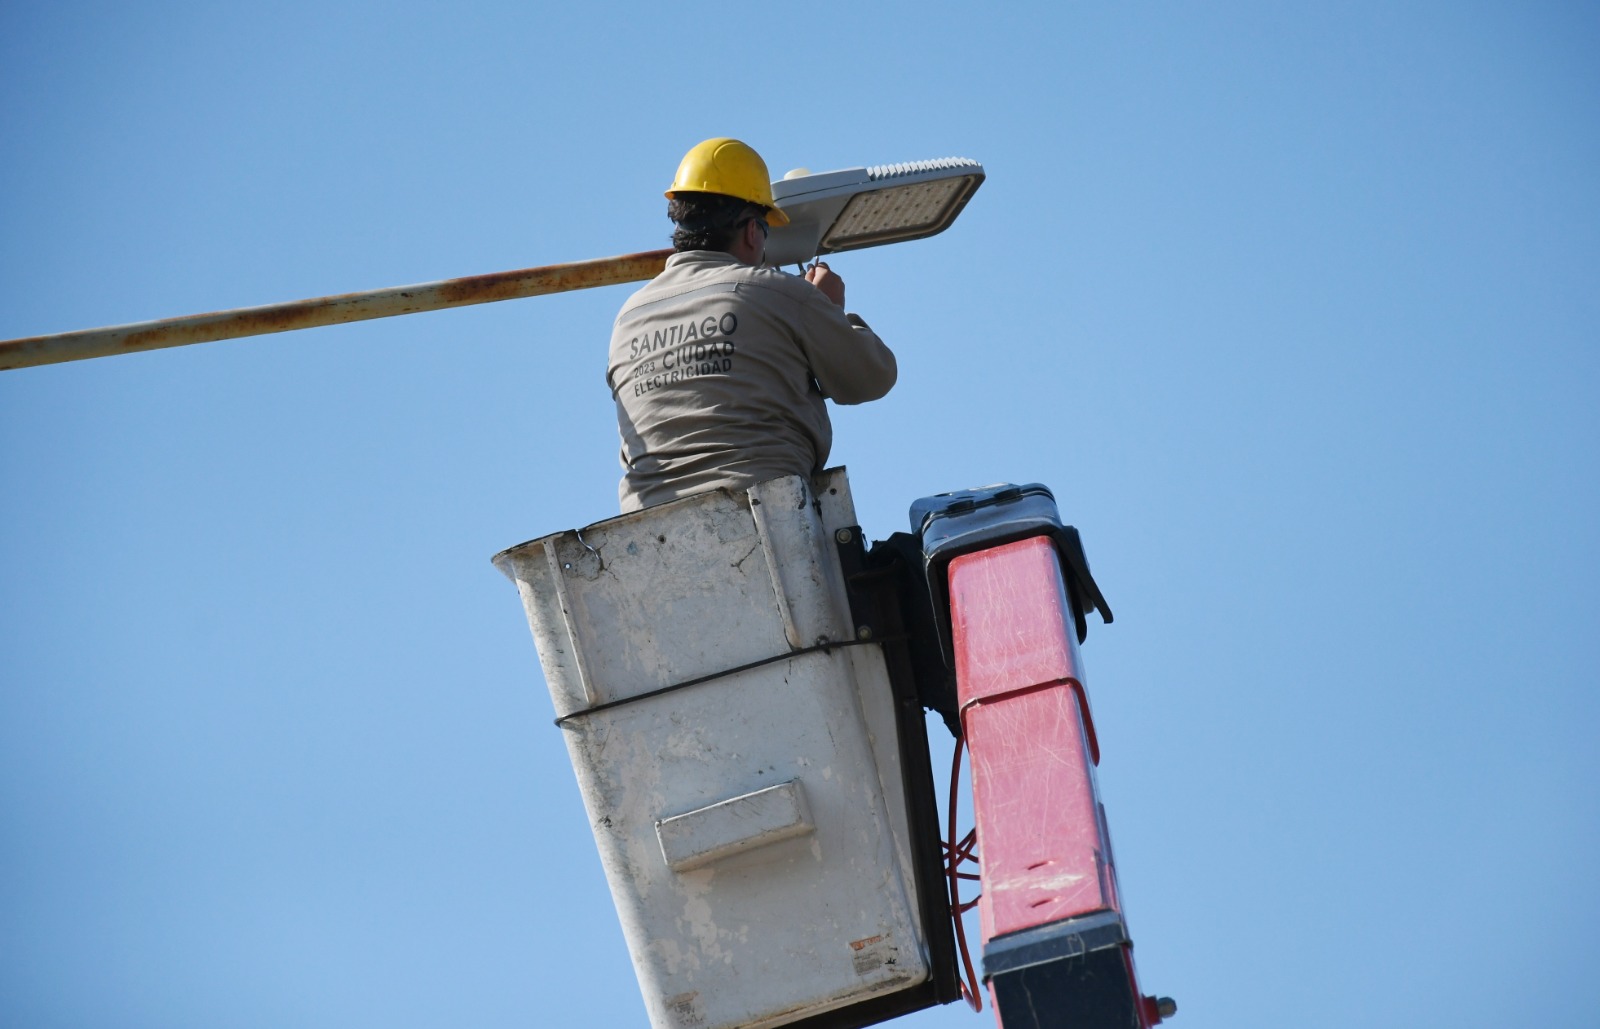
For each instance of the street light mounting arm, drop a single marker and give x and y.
(330, 310)
(831, 212)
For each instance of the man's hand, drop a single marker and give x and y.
(822, 277)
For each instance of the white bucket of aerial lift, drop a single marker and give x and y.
(735, 746)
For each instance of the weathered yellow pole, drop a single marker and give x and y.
(331, 310)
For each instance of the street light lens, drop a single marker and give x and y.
(898, 212)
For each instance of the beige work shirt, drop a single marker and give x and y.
(720, 372)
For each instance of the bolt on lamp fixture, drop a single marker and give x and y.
(855, 208)
(829, 212)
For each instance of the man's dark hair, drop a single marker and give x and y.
(708, 221)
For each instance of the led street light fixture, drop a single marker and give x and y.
(866, 207)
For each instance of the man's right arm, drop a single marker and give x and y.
(849, 361)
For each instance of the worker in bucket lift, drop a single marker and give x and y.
(720, 366)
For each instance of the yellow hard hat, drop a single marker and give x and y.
(729, 167)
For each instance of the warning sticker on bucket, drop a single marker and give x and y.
(873, 953)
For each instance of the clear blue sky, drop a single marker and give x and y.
(1296, 307)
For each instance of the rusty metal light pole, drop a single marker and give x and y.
(829, 213)
(330, 310)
